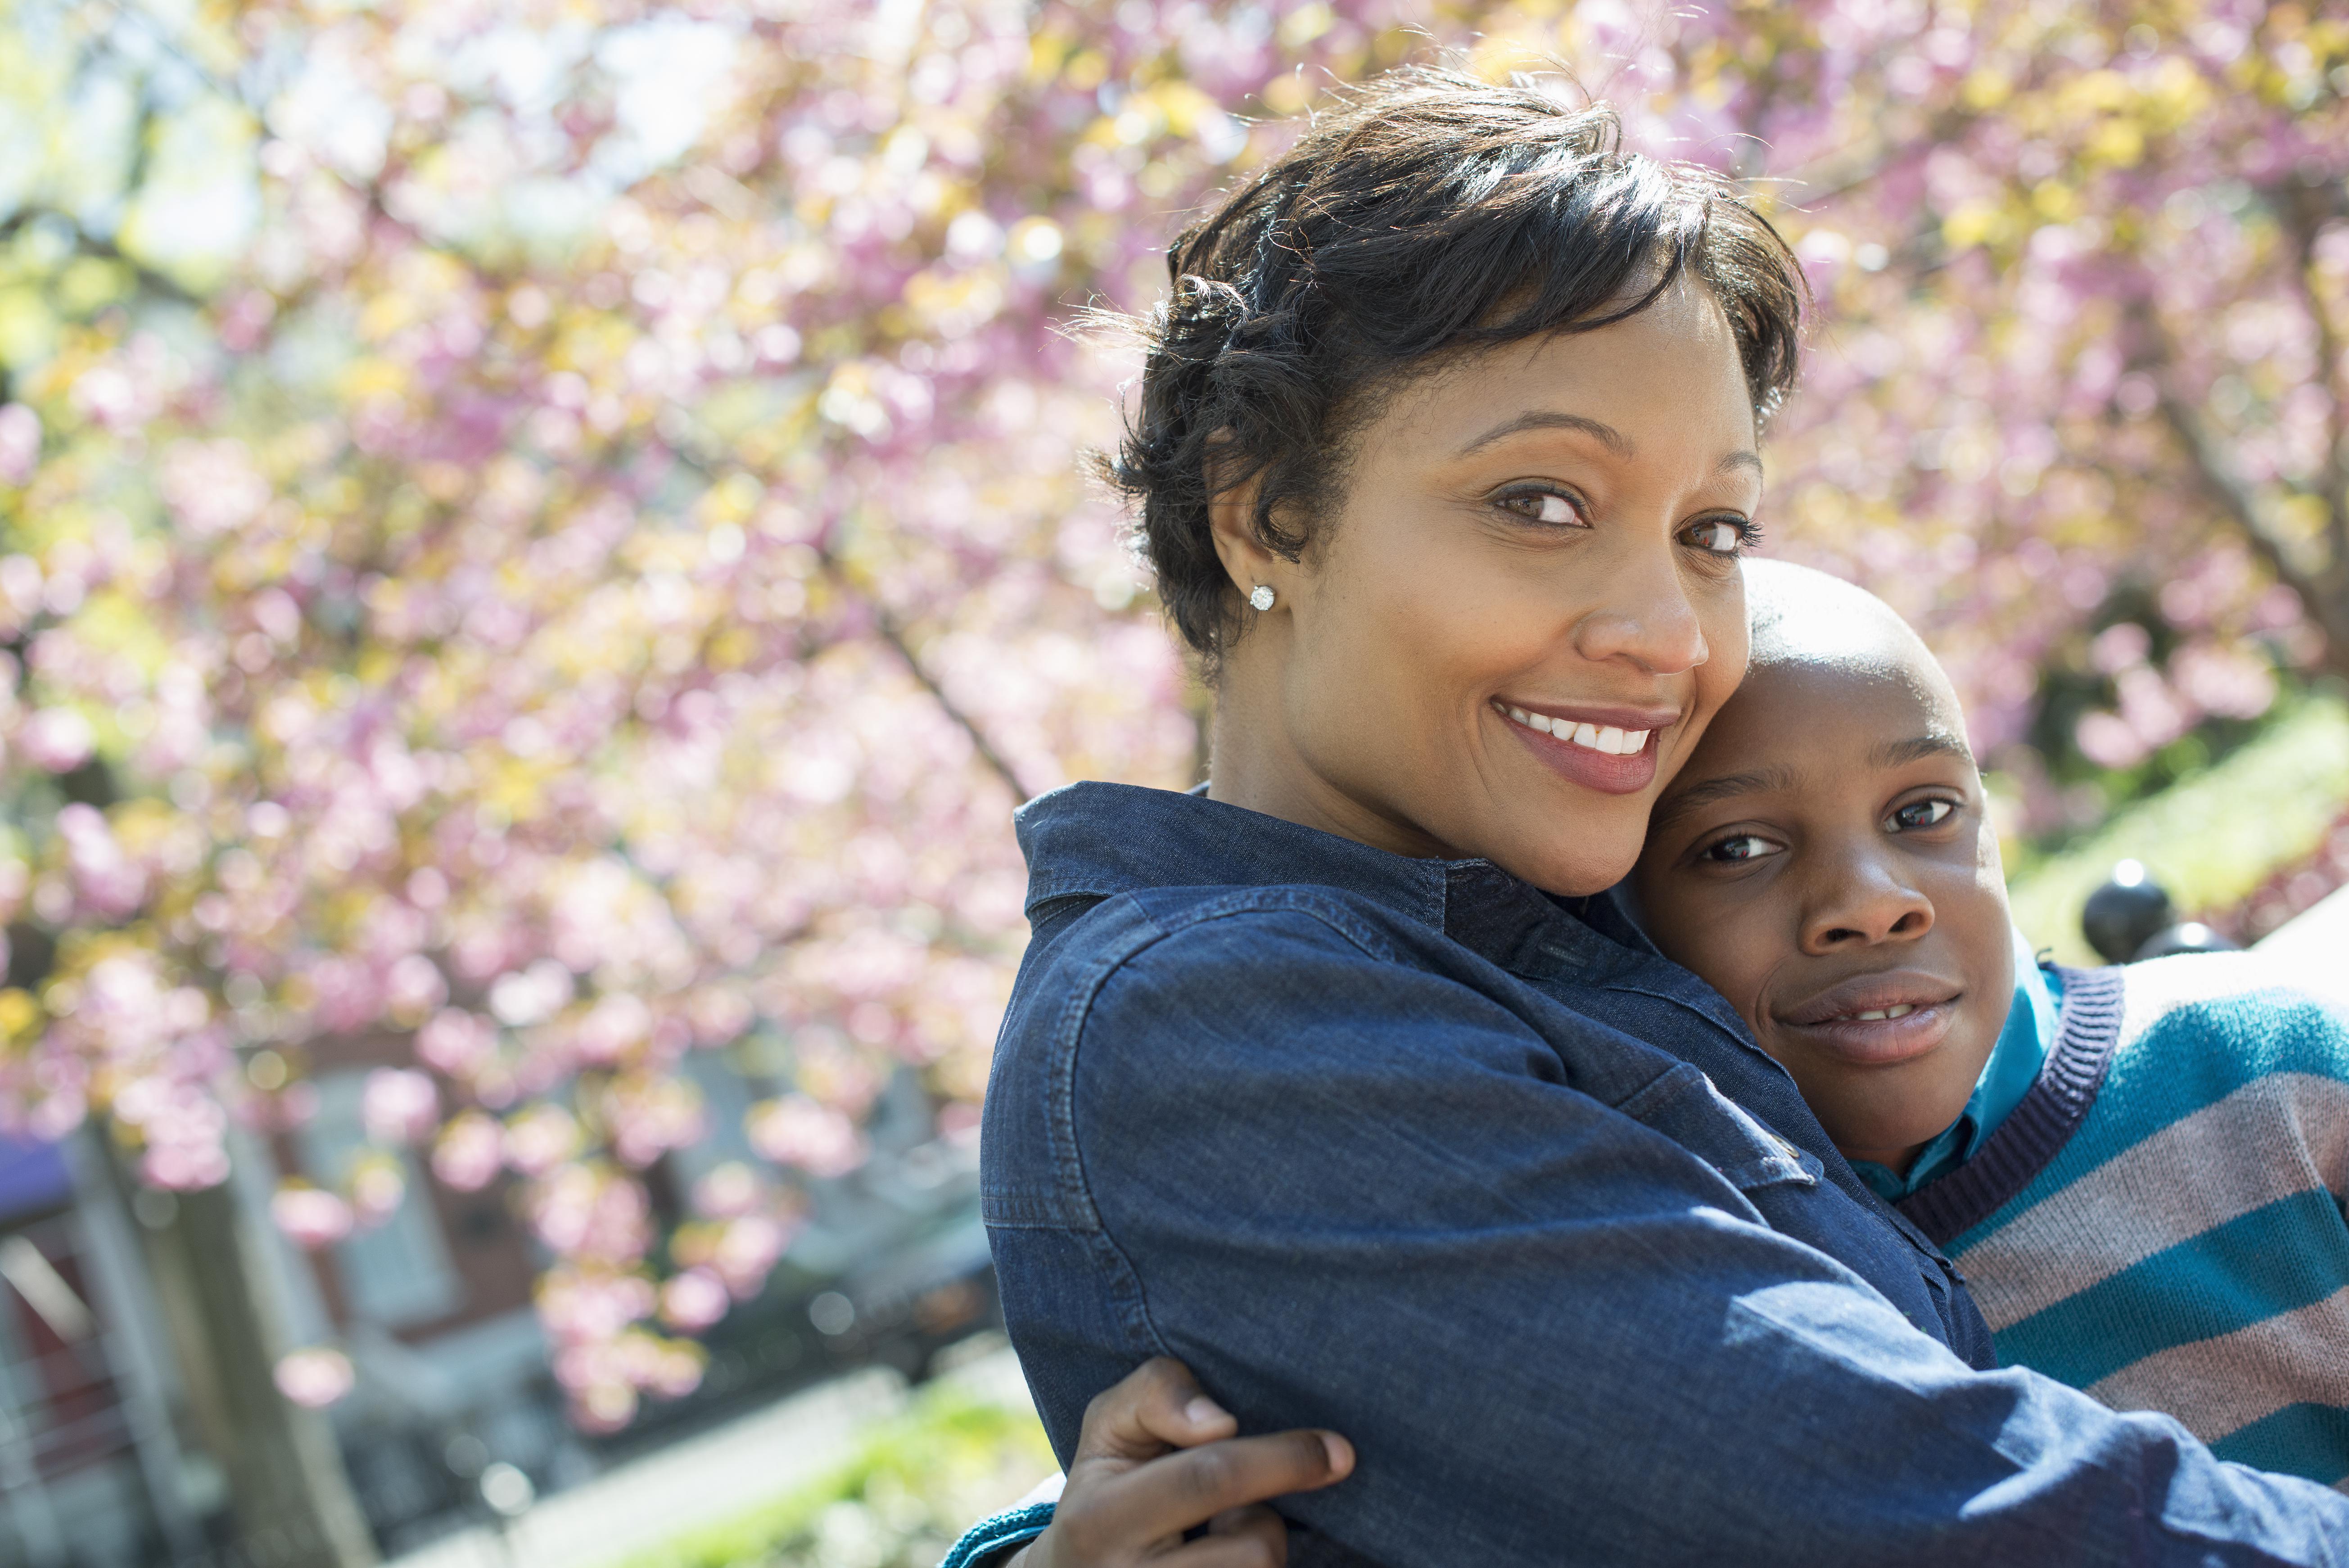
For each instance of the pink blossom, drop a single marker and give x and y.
(747, 1251)
(379, 1186)
(456, 1042)
(315, 1377)
(310, 1217)
(693, 1300)
(648, 1117)
(592, 1213)
(469, 1152)
(590, 1306)
(58, 739)
(399, 1106)
(729, 1191)
(20, 443)
(795, 1130)
(211, 486)
(413, 987)
(540, 1136)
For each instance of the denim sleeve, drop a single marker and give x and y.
(1355, 1194)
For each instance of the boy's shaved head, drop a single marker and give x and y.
(1801, 616)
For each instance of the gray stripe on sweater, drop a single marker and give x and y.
(2222, 1385)
(2177, 1183)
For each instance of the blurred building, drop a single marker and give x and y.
(102, 1464)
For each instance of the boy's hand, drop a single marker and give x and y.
(1158, 1458)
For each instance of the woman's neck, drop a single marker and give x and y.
(1256, 764)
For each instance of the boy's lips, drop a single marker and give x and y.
(1876, 1019)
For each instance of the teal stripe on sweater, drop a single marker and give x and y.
(2309, 1440)
(2191, 1057)
(2272, 1260)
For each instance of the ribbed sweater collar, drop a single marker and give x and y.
(2036, 1130)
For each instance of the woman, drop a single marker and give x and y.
(1342, 1082)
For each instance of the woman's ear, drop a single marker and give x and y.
(1231, 519)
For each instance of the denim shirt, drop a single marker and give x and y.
(1408, 1149)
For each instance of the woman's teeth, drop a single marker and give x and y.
(1615, 742)
(1881, 1013)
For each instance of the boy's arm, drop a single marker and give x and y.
(1157, 1460)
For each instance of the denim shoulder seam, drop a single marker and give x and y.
(1067, 1159)
(1336, 913)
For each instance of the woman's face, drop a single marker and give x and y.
(1512, 630)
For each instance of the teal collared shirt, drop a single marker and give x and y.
(2013, 1067)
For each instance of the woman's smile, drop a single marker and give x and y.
(1612, 749)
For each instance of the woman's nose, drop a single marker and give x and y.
(1865, 903)
(1645, 617)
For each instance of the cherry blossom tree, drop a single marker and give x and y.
(550, 537)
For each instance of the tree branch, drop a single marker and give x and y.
(2234, 497)
(893, 635)
(2319, 591)
(893, 632)
(2305, 211)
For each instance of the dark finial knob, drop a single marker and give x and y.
(2190, 937)
(2125, 913)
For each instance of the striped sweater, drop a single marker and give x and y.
(2161, 1221)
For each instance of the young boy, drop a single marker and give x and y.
(2141, 1170)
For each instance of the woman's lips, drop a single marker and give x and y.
(1610, 749)
(1876, 1020)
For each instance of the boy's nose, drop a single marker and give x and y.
(1867, 905)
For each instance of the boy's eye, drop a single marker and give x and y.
(1744, 846)
(1923, 814)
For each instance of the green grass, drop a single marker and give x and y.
(905, 1491)
(2210, 839)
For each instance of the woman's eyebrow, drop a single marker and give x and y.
(1758, 780)
(1599, 431)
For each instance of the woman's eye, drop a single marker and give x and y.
(1721, 536)
(1744, 846)
(1545, 506)
(1923, 814)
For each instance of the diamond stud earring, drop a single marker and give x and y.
(1262, 597)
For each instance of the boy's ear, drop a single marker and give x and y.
(1231, 521)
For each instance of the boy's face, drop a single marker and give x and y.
(1825, 862)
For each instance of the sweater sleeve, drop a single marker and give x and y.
(992, 1540)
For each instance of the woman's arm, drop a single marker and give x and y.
(1157, 1458)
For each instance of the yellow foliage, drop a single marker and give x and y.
(1305, 24)
(19, 1013)
(1972, 224)
(2117, 143)
(1985, 89)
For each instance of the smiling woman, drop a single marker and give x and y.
(1344, 1079)
(1526, 583)
(1475, 394)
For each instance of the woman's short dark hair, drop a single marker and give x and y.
(1423, 214)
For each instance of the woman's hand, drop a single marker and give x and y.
(1158, 1458)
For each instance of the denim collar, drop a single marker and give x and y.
(1095, 840)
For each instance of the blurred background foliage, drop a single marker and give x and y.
(546, 537)
(914, 1483)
